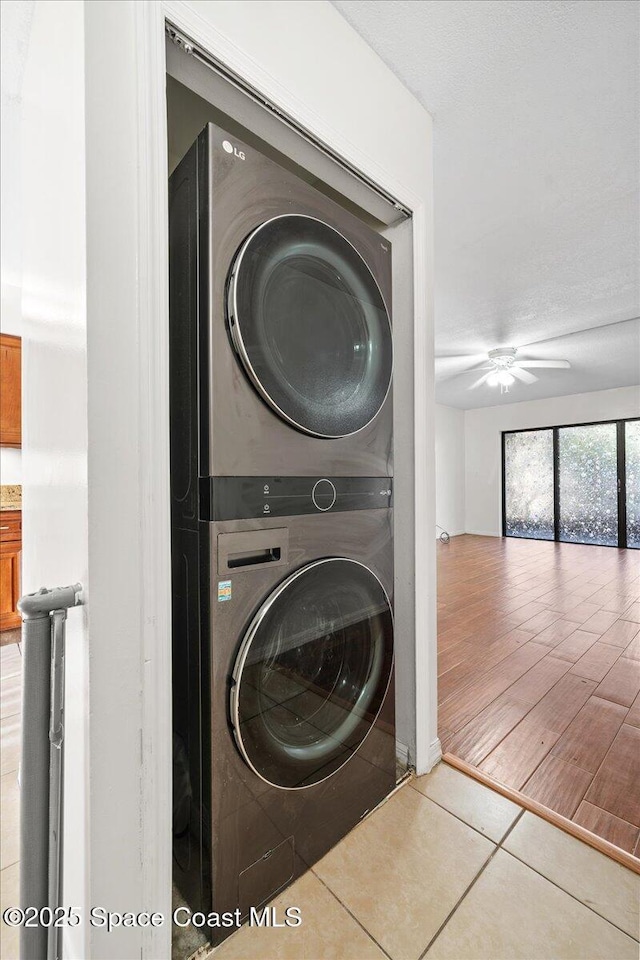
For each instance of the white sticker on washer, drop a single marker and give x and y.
(224, 590)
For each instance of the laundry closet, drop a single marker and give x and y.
(291, 494)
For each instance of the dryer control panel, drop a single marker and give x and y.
(246, 498)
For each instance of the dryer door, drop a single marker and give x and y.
(310, 326)
(312, 673)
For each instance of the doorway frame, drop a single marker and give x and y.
(153, 411)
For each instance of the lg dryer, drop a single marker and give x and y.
(290, 361)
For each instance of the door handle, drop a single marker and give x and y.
(249, 558)
(252, 548)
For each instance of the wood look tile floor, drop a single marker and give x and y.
(539, 674)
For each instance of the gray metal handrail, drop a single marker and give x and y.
(42, 763)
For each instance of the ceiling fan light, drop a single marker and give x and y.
(504, 378)
(492, 380)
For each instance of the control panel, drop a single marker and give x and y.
(245, 498)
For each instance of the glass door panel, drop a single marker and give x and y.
(312, 673)
(310, 326)
(528, 477)
(632, 476)
(588, 484)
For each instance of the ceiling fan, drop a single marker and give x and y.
(503, 369)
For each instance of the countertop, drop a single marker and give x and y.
(10, 496)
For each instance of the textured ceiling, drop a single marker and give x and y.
(536, 110)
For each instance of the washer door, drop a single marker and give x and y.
(312, 673)
(310, 326)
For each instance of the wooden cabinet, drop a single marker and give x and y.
(10, 551)
(10, 391)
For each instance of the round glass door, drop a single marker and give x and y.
(310, 326)
(312, 673)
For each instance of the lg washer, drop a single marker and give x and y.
(284, 718)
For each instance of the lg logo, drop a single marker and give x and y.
(229, 148)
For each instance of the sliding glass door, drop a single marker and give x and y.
(588, 484)
(528, 484)
(576, 484)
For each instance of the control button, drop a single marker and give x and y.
(323, 494)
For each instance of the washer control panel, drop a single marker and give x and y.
(245, 498)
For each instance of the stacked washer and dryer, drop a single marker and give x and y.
(282, 523)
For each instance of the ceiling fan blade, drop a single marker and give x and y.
(549, 364)
(460, 356)
(480, 380)
(523, 375)
(447, 367)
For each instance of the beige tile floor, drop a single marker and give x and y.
(445, 868)
(448, 868)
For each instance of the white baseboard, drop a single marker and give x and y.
(434, 756)
(435, 753)
(473, 533)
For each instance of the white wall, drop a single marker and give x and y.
(483, 493)
(10, 465)
(54, 450)
(450, 469)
